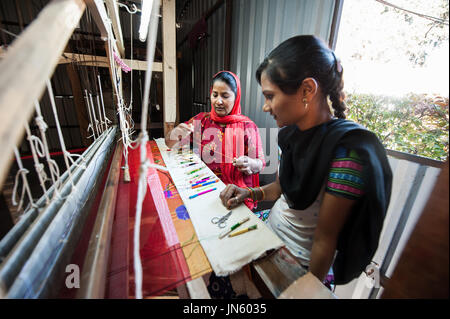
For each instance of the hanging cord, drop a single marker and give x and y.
(36, 147)
(52, 165)
(22, 172)
(102, 121)
(96, 122)
(107, 120)
(143, 138)
(124, 124)
(91, 125)
(68, 158)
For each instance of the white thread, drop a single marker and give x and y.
(38, 166)
(22, 172)
(91, 125)
(96, 123)
(66, 154)
(107, 120)
(142, 186)
(102, 122)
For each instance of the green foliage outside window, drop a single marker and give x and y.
(415, 124)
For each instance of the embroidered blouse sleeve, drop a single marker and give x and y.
(345, 178)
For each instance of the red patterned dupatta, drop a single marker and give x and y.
(233, 141)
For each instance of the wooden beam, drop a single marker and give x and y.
(98, 12)
(113, 10)
(307, 287)
(29, 62)
(276, 272)
(100, 16)
(422, 270)
(103, 61)
(99, 61)
(93, 278)
(169, 62)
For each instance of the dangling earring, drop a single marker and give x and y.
(306, 104)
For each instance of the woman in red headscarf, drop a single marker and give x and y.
(229, 142)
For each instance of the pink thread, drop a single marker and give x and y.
(347, 164)
(345, 188)
(125, 68)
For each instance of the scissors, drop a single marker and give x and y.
(221, 221)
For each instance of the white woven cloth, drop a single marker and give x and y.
(229, 254)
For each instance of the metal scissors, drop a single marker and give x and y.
(221, 221)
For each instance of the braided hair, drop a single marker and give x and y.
(301, 57)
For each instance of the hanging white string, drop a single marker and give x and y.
(91, 123)
(102, 121)
(22, 172)
(68, 158)
(143, 138)
(52, 165)
(107, 120)
(96, 123)
(35, 144)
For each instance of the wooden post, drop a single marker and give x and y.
(169, 64)
(29, 62)
(422, 270)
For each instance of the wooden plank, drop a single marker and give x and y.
(98, 12)
(197, 289)
(29, 62)
(307, 287)
(93, 278)
(169, 61)
(277, 271)
(99, 61)
(423, 268)
(113, 10)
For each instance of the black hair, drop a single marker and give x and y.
(228, 79)
(301, 57)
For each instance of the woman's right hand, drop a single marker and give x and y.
(232, 196)
(181, 131)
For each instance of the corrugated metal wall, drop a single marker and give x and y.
(197, 67)
(258, 26)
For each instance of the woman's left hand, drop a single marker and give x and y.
(248, 165)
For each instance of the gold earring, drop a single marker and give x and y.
(305, 103)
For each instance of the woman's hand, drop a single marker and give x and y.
(233, 196)
(181, 131)
(177, 134)
(248, 165)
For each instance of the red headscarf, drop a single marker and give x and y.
(233, 141)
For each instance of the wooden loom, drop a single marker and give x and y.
(26, 66)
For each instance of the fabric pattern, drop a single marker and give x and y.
(345, 177)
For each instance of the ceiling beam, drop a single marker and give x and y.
(99, 61)
(103, 61)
